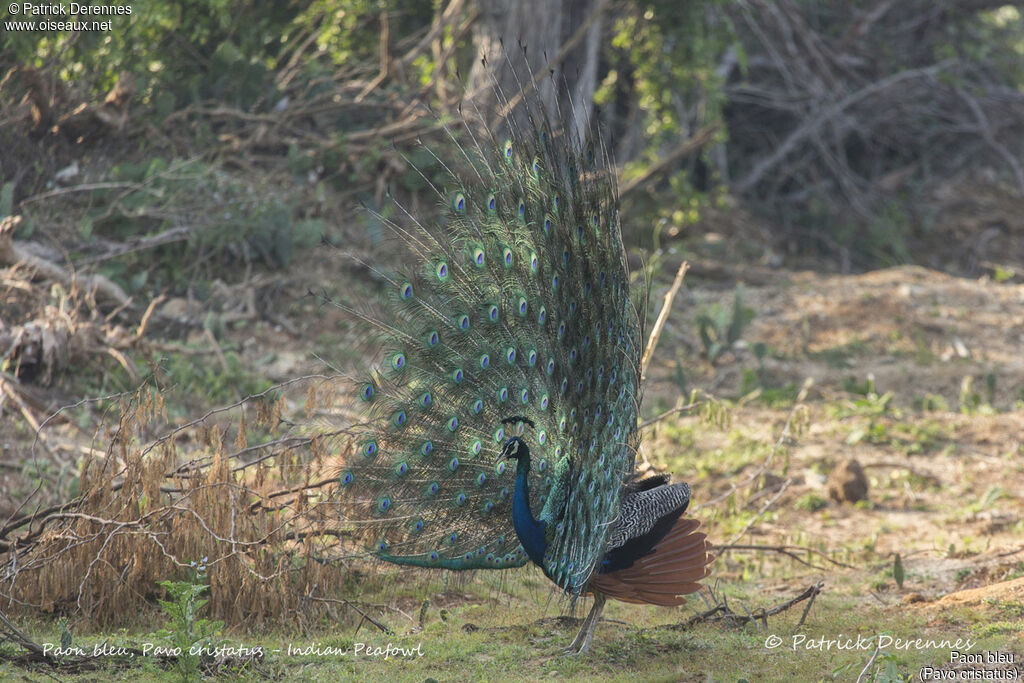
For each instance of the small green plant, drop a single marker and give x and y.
(811, 502)
(65, 634)
(992, 495)
(719, 329)
(931, 403)
(187, 634)
(889, 671)
(971, 401)
(1003, 274)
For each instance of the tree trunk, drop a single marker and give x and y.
(519, 39)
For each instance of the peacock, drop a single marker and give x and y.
(500, 426)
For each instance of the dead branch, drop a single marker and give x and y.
(722, 612)
(353, 606)
(813, 123)
(13, 254)
(684, 149)
(659, 324)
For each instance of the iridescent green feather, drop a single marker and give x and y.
(517, 305)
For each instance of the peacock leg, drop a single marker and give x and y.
(581, 643)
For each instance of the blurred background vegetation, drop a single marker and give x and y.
(848, 135)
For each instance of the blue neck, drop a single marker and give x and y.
(529, 530)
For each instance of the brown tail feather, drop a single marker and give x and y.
(667, 574)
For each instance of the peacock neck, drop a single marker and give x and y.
(529, 530)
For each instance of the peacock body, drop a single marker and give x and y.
(511, 335)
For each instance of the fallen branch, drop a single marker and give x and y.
(364, 615)
(722, 612)
(12, 254)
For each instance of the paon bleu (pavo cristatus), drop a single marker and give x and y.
(501, 425)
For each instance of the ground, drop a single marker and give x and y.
(914, 374)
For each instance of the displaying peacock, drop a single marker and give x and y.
(512, 337)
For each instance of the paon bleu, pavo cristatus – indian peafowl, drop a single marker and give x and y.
(501, 426)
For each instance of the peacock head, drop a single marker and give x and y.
(515, 448)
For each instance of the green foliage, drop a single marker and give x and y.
(66, 638)
(988, 500)
(719, 328)
(663, 61)
(810, 502)
(889, 670)
(971, 401)
(931, 403)
(182, 53)
(187, 634)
